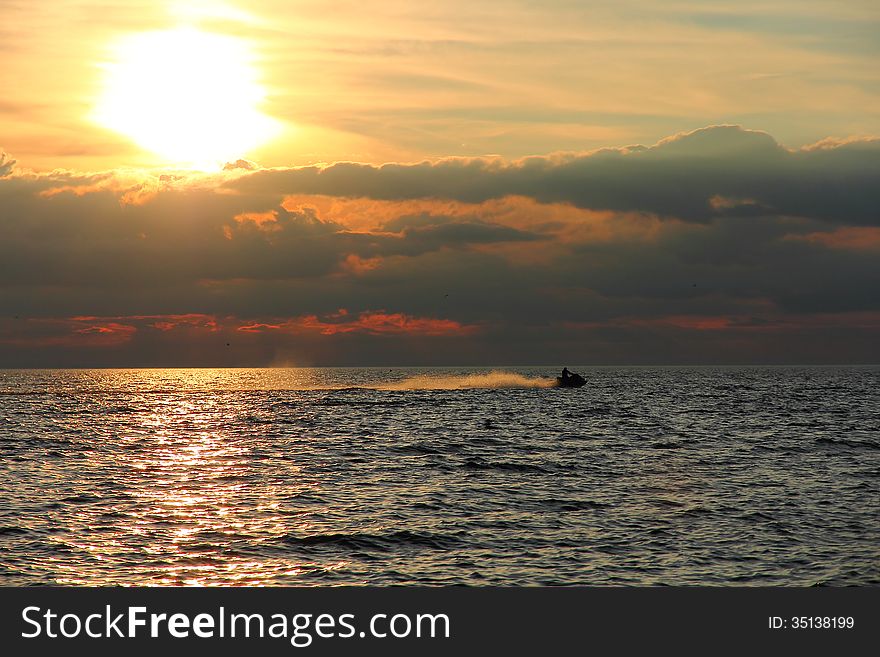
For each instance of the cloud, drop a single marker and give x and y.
(857, 238)
(247, 165)
(429, 231)
(708, 246)
(693, 176)
(200, 339)
(371, 322)
(6, 164)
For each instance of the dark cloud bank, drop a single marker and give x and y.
(711, 247)
(711, 172)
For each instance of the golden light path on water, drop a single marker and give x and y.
(188, 480)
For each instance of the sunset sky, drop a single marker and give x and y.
(497, 182)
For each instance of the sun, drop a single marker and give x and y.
(191, 97)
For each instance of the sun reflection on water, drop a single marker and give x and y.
(192, 509)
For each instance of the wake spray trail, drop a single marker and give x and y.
(467, 381)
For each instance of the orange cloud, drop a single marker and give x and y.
(111, 333)
(259, 327)
(67, 332)
(718, 202)
(354, 264)
(563, 223)
(163, 326)
(263, 220)
(399, 323)
(691, 322)
(857, 238)
(373, 323)
(860, 320)
(341, 321)
(521, 212)
(159, 322)
(76, 190)
(107, 329)
(97, 331)
(130, 187)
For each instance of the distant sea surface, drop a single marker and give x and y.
(695, 476)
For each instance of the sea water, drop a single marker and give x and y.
(678, 475)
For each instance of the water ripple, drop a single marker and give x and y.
(373, 476)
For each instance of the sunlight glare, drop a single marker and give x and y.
(189, 96)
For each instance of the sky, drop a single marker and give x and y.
(390, 183)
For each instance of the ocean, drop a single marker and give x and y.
(377, 476)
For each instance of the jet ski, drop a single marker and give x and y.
(570, 381)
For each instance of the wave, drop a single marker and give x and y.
(479, 463)
(6, 530)
(843, 442)
(495, 379)
(377, 542)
